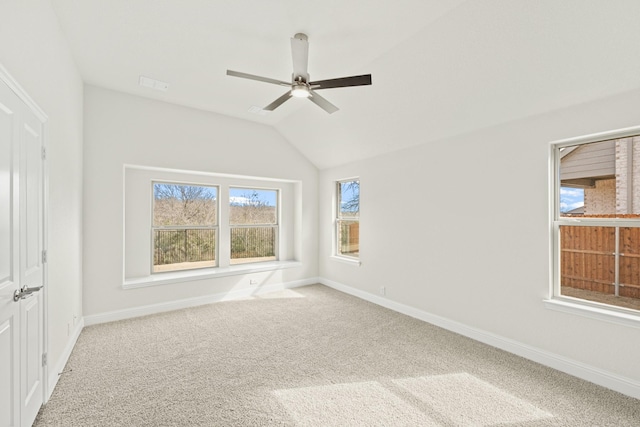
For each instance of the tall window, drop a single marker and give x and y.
(348, 218)
(184, 228)
(253, 219)
(597, 221)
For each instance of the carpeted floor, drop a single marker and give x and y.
(311, 356)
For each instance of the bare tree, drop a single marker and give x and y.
(350, 197)
(249, 208)
(184, 205)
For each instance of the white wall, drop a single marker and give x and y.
(123, 129)
(34, 52)
(459, 228)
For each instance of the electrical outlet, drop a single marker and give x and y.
(253, 282)
(383, 290)
(69, 327)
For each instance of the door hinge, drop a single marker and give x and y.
(44, 359)
(44, 256)
(44, 153)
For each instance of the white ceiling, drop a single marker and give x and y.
(440, 67)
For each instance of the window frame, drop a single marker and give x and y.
(215, 227)
(556, 300)
(338, 219)
(276, 225)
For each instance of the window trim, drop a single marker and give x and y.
(215, 227)
(182, 276)
(338, 219)
(345, 260)
(602, 312)
(556, 301)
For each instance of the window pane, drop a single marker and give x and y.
(349, 238)
(183, 205)
(600, 179)
(179, 209)
(349, 199)
(588, 267)
(253, 215)
(183, 249)
(347, 224)
(253, 206)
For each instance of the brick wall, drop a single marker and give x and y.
(622, 146)
(601, 199)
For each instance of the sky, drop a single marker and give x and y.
(237, 196)
(240, 196)
(350, 196)
(571, 198)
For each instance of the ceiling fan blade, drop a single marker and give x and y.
(278, 102)
(322, 103)
(258, 78)
(300, 55)
(342, 82)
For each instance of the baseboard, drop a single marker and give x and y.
(55, 371)
(145, 310)
(577, 369)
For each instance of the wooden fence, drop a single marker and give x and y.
(590, 259)
(349, 238)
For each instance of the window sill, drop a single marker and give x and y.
(593, 312)
(208, 273)
(351, 261)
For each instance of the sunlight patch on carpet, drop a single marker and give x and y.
(365, 403)
(469, 401)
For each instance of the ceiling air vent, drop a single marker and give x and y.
(153, 84)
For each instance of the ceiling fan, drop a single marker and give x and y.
(300, 85)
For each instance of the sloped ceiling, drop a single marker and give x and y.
(440, 67)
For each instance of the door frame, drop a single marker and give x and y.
(7, 79)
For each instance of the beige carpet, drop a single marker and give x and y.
(311, 356)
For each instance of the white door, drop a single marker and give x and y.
(31, 265)
(21, 261)
(9, 262)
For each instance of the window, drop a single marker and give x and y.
(348, 218)
(184, 226)
(597, 220)
(253, 221)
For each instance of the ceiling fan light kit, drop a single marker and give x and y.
(300, 85)
(300, 91)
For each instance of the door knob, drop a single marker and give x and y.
(24, 292)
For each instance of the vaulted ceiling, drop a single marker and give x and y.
(440, 67)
